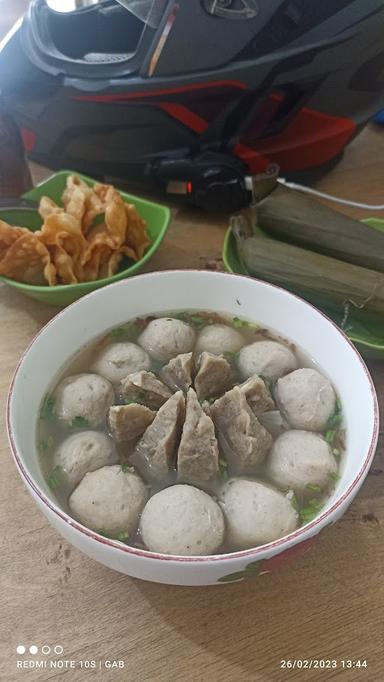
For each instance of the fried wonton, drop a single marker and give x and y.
(137, 237)
(116, 218)
(81, 202)
(28, 260)
(47, 207)
(63, 234)
(83, 240)
(97, 255)
(8, 235)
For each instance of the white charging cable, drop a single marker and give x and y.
(330, 197)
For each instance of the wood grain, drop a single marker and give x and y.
(327, 605)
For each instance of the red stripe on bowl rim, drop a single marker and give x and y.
(319, 522)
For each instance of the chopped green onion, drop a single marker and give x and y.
(123, 331)
(316, 503)
(197, 321)
(187, 318)
(336, 452)
(238, 323)
(47, 408)
(54, 478)
(223, 470)
(230, 355)
(335, 420)
(118, 332)
(310, 512)
(314, 487)
(334, 477)
(129, 402)
(330, 435)
(123, 536)
(338, 405)
(46, 444)
(125, 467)
(79, 422)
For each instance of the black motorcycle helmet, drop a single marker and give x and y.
(193, 95)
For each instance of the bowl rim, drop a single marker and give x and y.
(284, 542)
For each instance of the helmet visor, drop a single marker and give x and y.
(149, 11)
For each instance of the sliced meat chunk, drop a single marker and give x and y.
(177, 374)
(128, 422)
(156, 450)
(144, 387)
(243, 440)
(198, 454)
(214, 376)
(258, 395)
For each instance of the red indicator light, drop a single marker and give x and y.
(189, 188)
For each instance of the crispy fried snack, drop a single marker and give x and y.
(62, 234)
(48, 207)
(28, 260)
(137, 236)
(81, 241)
(8, 236)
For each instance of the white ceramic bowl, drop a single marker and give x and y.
(155, 293)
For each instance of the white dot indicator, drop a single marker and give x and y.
(20, 649)
(33, 649)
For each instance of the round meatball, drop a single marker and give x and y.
(85, 397)
(82, 452)
(182, 520)
(167, 337)
(306, 398)
(109, 501)
(219, 339)
(268, 359)
(256, 513)
(120, 359)
(299, 459)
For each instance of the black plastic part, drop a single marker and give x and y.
(215, 182)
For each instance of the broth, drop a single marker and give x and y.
(53, 431)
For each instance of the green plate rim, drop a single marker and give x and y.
(89, 286)
(229, 249)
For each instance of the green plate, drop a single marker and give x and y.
(365, 330)
(156, 216)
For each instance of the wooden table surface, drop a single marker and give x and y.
(328, 605)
